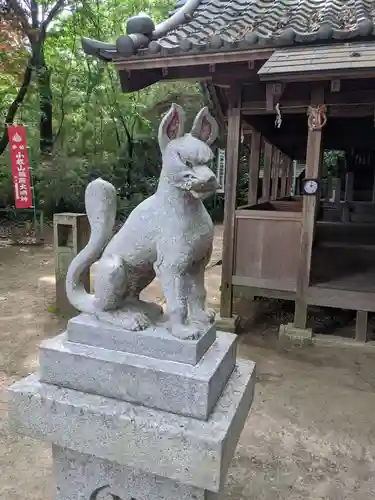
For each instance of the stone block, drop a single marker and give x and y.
(299, 336)
(71, 234)
(190, 451)
(227, 324)
(190, 390)
(79, 476)
(155, 342)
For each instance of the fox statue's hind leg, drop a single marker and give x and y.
(110, 279)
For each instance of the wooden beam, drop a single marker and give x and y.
(335, 110)
(267, 171)
(254, 164)
(310, 204)
(361, 326)
(316, 76)
(233, 142)
(343, 299)
(139, 63)
(350, 102)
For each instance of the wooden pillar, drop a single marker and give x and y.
(310, 203)
(267, 171)
(284, 176)
(289, 170)
(275, 174)
(349, 182)
(231, 173)
(361, 326)
(336, 192)
(348, 196)
(373, 189)
(254, 163)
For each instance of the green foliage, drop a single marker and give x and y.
(98, 131)
(332, 161)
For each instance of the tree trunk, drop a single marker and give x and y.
(43, 76)
(13, 108)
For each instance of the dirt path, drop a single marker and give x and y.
(310, 434)
(26, 292)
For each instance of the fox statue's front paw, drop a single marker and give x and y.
(186, 332)
(206, 317)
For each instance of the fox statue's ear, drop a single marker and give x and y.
(205, 127)
(172, 126)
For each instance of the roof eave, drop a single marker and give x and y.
(190, 59)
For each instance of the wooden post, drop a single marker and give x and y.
(267, 171)
(289, 169)
(348, 196)
(310, 203)
(349, 182)
(361, 325)
(337, 197)
(275, 174)
(233, 141)
(254, 163)
(284, 174)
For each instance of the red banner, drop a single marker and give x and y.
(20, 166)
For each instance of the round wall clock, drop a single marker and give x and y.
(310, 186)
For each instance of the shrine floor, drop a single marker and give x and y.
(311, 432)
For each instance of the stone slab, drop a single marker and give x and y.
(79, 477)
(156, 342)
(190, 390)
(190, 451)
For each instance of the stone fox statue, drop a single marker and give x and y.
(169, 235)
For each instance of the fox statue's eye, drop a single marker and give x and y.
(188, 164)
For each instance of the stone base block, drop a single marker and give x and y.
(226, 324)
(84, 477)
(155, 342)
(186, 450)
(166, 385)
(300, 336)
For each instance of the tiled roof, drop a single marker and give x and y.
(230, 24)
(264, 20)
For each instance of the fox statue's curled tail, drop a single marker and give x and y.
(101, 205)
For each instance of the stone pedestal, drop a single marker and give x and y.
(136, 415)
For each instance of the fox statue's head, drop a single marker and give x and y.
(187, 157)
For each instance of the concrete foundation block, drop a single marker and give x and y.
(190, 390)
(85, 477)
(300, 336)
(155, 342)
(227, 324)
(186, 450)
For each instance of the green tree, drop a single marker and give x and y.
(93, 127)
